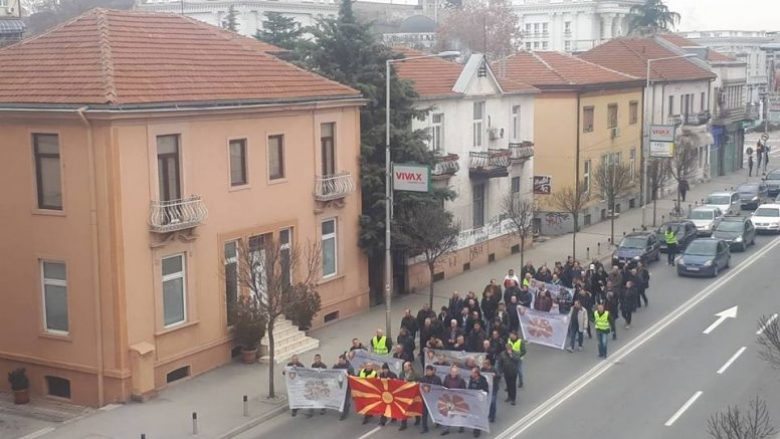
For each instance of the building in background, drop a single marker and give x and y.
(608, 129)
(11, 25)
(571, 26)
(415, 32)
(481, 129)
(772, 97)
(133, 190)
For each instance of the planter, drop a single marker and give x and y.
(21, 396)
(249, 356)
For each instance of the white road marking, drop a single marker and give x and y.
(730, 313)
(731, 360)
(575, 386)
(682, 410)
(768, 322)
(38, 433)
(370, 433)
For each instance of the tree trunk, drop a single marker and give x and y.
(431, 268)
(655, 209)
(271, 359)
(574, 238)
(522, 251)
(612, 223)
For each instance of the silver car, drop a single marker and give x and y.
(704, 218)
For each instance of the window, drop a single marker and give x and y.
(55, 296)
(174, 290)
(168, 172)
(544, 29)
(612, 116)
(59, 387)
(632, 163)
(48, 182)
(231, 278)
(478, 199)
(536, 28)
(671, 105)
(702, 103)
(437, 132)
(516, 122)
(238, 162)
(285, 254)
(545, 45)
(528, 46)
(276, 157)
(567, 28)
(256, 250)
(479, 113)
(528, 28)
(536, 44)
(586, 175)
(515, 185)
(329, 248)
(633, 112)
(567, 45)
(328, 148)
(587, 120)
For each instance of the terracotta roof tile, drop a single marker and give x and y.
(132, 57)
(712, 55)
(629, 55)
(432, 77)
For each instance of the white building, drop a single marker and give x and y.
(250, 13)
(481, 128)
(11, 25)
(571, 25)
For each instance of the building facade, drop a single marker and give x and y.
(11, 25)
(571, 25)
(132, 196)
(481, 128)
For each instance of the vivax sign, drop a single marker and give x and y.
(411, 178)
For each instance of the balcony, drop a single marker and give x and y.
(174, 215)
(489, 164)
(521, 152)
(696, 119)
(333, 187)
(446, 166)
(733, 115)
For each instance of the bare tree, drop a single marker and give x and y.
(769, 340)
(754, 423)
(490, 27)
(613, 181)
(572, 200)
(428, 231)
(657, 176)
(683, 163)
(267, 270)
(521, 212)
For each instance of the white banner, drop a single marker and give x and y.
(359, 357)
(316, 388)
(544, 328)
(461, 359)
(411, 178)
(465, 373)
(457, 407)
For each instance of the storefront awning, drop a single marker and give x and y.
(11, 26)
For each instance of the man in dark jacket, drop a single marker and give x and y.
(344, 364)
(386, 373)
(643, 276)
(424, 313)
(487, 367)
(628, 303)
(508, 365)
(317, 364)
(294, 362)
(453, 381)
(477, 381)
(406, 339)
(475, 338)
(455, 305)
(514, 319)
(453, 332)
(409, 322)
(429, 378)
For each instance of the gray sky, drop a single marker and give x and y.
(727, 14)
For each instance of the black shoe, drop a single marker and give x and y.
(322, 411)
(402, 427)
(342, 417)
(512, 403)
(445, 432)
(520, 386)
(492, 419)
(294, 413)
(365, 421)
(417, 422)
(508, 400)
(424, 430)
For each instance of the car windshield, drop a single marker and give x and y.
(767, 212)
(773, 176)
(730, 226)
(702, 214)
(701, 248)
(635, 242)
(718, 199)
(748, 189)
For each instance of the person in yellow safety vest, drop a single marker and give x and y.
(368, 371)
(670, 236)
(380, 344)
(601, 319)
(519, 347)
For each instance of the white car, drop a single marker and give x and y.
(728, 202)
(767, 218)
(704, 218)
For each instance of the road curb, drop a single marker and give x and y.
(254, 422)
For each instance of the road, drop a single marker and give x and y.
(653, 370)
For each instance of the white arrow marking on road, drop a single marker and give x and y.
(730, 313)
(682, 410)
(768, 322)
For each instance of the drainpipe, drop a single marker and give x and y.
(97, 303)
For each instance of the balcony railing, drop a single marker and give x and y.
(490, 163)
(333, 187)
(521, 151)
(731, 115)
(446, 166)
(695, 119)
(173, 215)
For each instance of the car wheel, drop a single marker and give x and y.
(715, 271)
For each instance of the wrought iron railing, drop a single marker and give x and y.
(492, 158)
(172, 215)
(333, 187)
(521, 151)
(446, 165)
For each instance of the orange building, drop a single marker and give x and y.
(138, 148)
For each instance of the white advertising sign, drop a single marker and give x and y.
(662, 133)
(662, 149)
(411, 178)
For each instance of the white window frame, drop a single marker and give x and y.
(287, 247)
(179, 275)
(477, 123)
(231, 260)
(334, 236)
(516, 111)
(55, 283)
(437, 132)
(586, 174)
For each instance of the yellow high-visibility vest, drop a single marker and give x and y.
(516, 345)
(602, 321)
(364, 374)
(380, 345)
(670, 237)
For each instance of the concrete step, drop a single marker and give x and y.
(281, 333)
(282, 356)
(288, 341)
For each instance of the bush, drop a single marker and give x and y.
(249, 322)
(18, 379)
(301, 305)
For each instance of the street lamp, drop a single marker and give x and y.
(388, 181)
(647, 123)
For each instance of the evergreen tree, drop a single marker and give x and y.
(280, 31)
(230, 22)
(651, 17)
(346, 51)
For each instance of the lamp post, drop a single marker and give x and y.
(647, 123)
(388, 183)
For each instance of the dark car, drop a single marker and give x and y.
(685, 231)
(738, 232)
(704, 257)
(772, 181)
(635, 247)
(752, 195)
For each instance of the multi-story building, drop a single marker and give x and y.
(585, 116)
(481, 128)
(250, 14)
(571, 25)
(11, 25)
(139, 151)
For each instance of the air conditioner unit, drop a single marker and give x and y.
(614, 132)
(10, 11)
(495, 133)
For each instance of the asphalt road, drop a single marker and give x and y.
(653, 369)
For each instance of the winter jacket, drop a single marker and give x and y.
(508, 362)
(579, 319)
(480, 383)
(453, 383)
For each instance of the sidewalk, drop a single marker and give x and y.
(217, 396)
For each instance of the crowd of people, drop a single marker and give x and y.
(593, 298)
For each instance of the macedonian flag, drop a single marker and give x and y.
(394, 399)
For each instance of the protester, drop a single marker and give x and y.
(453, 381)
(602, 321)
(380, 344)
(628, 303)
(429, 378)
(386, 373)
(578, 324)
(317, 364)
(477, 382)
(344, 364)
(643, 276)
(508, 365)
(510, 280)
(487, 367)
(409, 322)
(368, 371)
(294, 362)
(410, 375)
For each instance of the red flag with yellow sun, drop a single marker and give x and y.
(394, 399)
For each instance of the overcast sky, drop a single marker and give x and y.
(727, 14)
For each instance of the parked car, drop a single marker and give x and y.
(705, 218)
(635, 247)
(728, 202)
(752, 195)
(704, 257)
(684, 229)
(772, 181)
(737, 231)
(767, 218)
